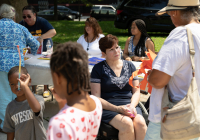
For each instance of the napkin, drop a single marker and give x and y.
(146, 64)
(95, 60)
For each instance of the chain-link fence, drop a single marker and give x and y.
(43, 5)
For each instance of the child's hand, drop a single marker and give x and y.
(24, 80)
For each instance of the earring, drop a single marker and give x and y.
(173, 15)
(34, 19)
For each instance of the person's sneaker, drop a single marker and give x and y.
(46, 94)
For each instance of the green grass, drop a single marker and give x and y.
(72, 30)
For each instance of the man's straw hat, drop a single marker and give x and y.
(178, 5)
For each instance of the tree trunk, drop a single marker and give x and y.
(55, 10)
(79, 10)
(18, 5)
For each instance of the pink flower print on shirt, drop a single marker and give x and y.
(94, 135)
(50, 127)
(59, 135)
(72, 111)
(83, 119)
(62, 125)
(95, 126)
(70, 137)
(84, 129)
(75, 124)
(73, 120)
(56, 118)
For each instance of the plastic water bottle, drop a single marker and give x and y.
(48, 45)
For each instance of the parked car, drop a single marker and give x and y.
(49, 15)
(68, 11)
(129, 10)
(103, 7)
(103, 12)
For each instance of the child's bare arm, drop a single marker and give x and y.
(11, 136)
(32, 101)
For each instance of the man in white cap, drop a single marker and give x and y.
(172, 67)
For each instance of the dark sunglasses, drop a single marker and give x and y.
(24, 17)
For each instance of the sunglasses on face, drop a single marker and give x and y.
(28, 16)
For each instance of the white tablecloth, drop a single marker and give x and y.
(39, 70)
(40, 73)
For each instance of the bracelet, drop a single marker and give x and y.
(40, 37)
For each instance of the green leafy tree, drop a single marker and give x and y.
(55, 10)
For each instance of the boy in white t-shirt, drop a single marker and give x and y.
(172, 66)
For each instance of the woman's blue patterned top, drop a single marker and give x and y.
(11, 35)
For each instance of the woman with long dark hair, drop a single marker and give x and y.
(139, 43)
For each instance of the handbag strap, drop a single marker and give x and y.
(191, 47)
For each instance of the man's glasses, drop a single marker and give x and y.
(28, 16)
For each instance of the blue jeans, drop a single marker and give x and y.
(6, 95)
(153, 132)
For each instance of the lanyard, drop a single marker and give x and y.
(88, 42)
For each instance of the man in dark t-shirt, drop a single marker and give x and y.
(41, 27)
(38, 26)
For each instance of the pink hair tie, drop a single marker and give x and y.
(12, 9)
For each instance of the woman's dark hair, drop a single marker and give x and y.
(16, 69)
(29, 7)
(95, 25)
(71, 61)
(107, 42)
(141, 44)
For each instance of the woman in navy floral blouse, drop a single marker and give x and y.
(110, 82)
(11, 35)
